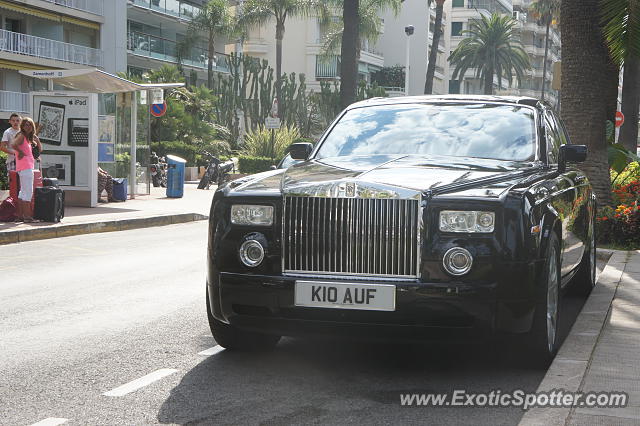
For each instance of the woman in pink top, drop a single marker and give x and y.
(25, 163)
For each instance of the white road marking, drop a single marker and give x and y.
(141, 382)
(50, 421)
(212, 351)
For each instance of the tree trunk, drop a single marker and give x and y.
(630, 103)
(584, 65)
(279, 37)
(546, 54)
(349, 63)
(212, 52)
(433, 55)
(488, 83)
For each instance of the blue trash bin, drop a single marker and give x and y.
(175, 176)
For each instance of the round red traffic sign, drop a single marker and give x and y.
(158, 110)
(619, 118)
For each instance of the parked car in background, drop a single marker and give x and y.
(411, 215)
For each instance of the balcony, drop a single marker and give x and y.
(91, 6)
(174, 8)
(165, 50)
(45, 48)
(14, 101)
(327, 68)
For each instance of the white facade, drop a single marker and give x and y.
(44, 34)
(394, 40)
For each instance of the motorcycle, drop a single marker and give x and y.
(158, 169)
(217, 171)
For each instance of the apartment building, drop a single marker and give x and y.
(532, 36)
(394, 40)
(45, 34)
(141, 35)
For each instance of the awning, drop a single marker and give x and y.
(15, 65)
(47, 15)
(94, 81)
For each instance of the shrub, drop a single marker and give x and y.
(177, 148)
(250, 164)
(259, 143)
(619, 226)
(4, 183)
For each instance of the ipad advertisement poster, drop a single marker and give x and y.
(63, 123)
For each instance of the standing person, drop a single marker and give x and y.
(25, 163)
(7, 138)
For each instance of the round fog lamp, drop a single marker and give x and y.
(457, 261)
(251, 253)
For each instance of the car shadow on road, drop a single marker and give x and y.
(310, 380)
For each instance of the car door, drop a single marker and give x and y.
(564, 196)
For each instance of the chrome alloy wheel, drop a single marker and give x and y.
(552, 299)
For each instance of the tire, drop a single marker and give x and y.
(204, 182)
(163, 182)
(542, 341)
(232, 338)
(585, 279)
(155, 181)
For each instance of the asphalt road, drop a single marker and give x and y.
(123, 314)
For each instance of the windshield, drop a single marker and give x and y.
(496, 131)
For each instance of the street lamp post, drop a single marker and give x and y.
(409, 29)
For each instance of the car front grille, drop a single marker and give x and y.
(351, 236)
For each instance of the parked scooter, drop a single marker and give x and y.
(158, 169)
(217, 171)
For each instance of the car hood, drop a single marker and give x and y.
(394, 176)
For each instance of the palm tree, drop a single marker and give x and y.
(214, 19)
(621, 19)
(369, 28)
(164, 74)
(546, 11)
(258, 12)
(433, 55)
(349, 52)
(584, 80)
(493, 49)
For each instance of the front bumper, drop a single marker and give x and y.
(266, 304)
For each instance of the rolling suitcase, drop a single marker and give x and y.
(49, 204)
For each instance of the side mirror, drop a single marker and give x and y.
(273, 167)
(300, 150)
(571, 154)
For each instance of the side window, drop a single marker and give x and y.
(553, 139)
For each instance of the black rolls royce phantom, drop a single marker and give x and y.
(410, 216)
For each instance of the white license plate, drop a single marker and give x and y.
(370, 297)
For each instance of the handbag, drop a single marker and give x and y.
(35, 151)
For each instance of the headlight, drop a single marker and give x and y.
(467, 221)
(244, 214)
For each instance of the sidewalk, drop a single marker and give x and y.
(602, 351)
(144, 211)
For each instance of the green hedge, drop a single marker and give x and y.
(4, 183)
(178, 148)
(250, 165)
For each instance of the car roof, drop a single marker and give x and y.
(525, 100)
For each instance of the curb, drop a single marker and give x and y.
(570, 365)
(61, 230)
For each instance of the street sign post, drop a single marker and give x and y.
(619, 118)
(158, 110)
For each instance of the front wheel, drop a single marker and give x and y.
(232, 338)
(155, 181)
(542, 341)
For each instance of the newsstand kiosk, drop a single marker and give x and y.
(96, 124)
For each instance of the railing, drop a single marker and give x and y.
(14, 101)
(92, 6)
(166, 50)
(327, 68)
(39, 47)
(176, 8)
